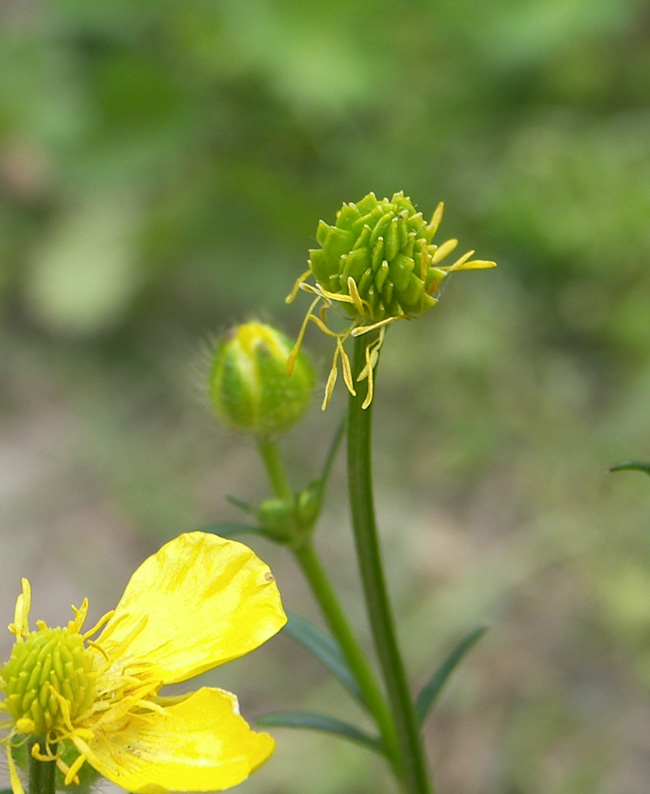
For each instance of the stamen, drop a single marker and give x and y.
(356, 298)
(16, 785)
(364, 329)
(434, 223)
(458, 264)
(71, 773)
(291, 361)
(97, 647)
(442, 251)
(65, 708)
(322, 325)
(99, 625)
(347, 369)
(292, 296)
(20, 626)
(331, 382)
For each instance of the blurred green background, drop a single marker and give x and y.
(163, 166)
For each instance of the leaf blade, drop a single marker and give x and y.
(326, 650)
(229, 529)
(430, 691)
(633, 465)
(324, 723)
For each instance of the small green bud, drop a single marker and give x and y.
(278, 517)
(249, 385)
(309, 503)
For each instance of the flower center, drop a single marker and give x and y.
(48, 681)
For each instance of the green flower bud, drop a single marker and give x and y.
(278, 517)
(249, 385)
(309, 503)
(378, 261)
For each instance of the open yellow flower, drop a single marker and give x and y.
(198, 602)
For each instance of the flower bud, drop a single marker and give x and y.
(249, 385)
(308, 503)
(277, 517)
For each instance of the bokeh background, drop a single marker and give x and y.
(163, 166)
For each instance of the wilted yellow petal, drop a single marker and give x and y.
(199, 744)
(206, 600)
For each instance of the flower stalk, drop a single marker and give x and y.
(374, 586)
(42, 774)
(314, 572)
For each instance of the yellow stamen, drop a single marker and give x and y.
(356, 298)
(434, 223)
(20, 626)
(347, 369)
(442, 251)
(71, 771)
(331, 382)
(291, 361)
(16, 785)
(292, 296)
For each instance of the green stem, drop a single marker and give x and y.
(275, 468)
(318, 581)
(315, 574)
(371, 569)
(41, 773)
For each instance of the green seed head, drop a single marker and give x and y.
(379, 264)
(49, 669)
(385, 247)
(249, 385)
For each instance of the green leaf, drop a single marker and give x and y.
(229, 530)
(632, 466)
(244, 506)
(324, 648)
(434, 685)
(321, 722)
(331, 455)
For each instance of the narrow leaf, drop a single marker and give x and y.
(243, 506)
(434, 685)
(331, 455)
(324, 648)
(633, 465)
(321, 722)
(229, 530)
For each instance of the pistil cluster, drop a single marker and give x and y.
(49, 681)
(380, 264)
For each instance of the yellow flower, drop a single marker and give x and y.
(198, 602)
(379, 264)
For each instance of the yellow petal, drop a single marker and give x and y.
(206, 600)
(200, 743)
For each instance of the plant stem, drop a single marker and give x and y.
(374, 586)
(275, 468)
(314, 572)
(41, 773)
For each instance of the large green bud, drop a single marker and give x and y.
(249, 385)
